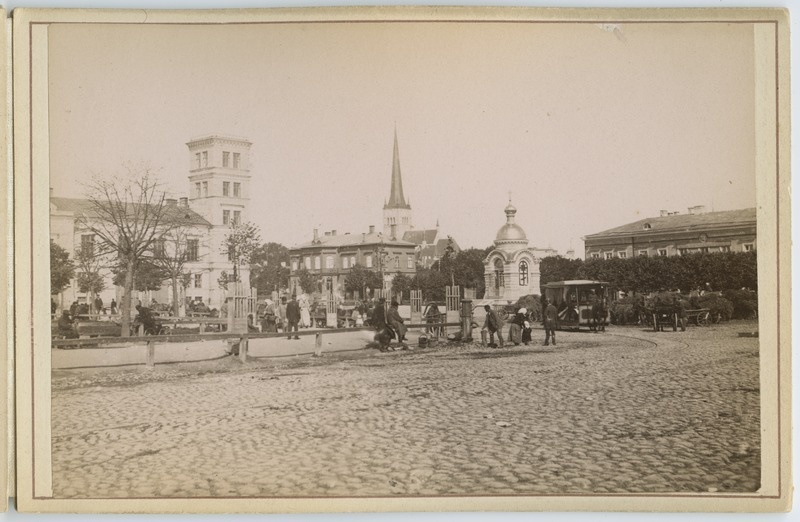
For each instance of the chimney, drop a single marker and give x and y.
(185, 202)
(697, 209)
(664, 213)
(172, 202)
(394, 232)
(372, 229)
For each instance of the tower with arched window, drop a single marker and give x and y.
(512, 268)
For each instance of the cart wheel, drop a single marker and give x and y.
(702, 319)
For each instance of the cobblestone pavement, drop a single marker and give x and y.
(624, 411)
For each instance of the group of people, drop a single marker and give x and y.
(521, 326)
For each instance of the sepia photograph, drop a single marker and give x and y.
(399, 259)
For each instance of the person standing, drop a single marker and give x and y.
(305, 311)
(550, 322)
(292, 317)
(98, 305)
(383, 333)
(494, 325)
(113, 307)
(280, 314)
(517, 325)
(396, 322)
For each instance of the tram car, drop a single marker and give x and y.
(581, 303)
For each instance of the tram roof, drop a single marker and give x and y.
(573, 282)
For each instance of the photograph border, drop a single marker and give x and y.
(6, 263)
(32, 265)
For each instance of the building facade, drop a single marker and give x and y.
(674, 234)
(511, 270)
(219, 182)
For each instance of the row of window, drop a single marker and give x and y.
(348, 261)
(201, 159)
(228, 219)
(159, 247)
(393, 220)
(201, 189)
(747, 247)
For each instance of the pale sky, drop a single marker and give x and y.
(588, 127)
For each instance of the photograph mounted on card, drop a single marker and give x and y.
(402, 259)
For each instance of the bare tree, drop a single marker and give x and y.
(171, 254)
(128, 215)
(89, 268)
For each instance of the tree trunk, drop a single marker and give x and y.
(127, 301)
(176, 307)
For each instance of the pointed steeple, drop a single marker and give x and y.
(396, 197)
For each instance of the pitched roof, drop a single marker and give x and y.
(682, 222)
(80, 206)
(421, 236)
(346, 240)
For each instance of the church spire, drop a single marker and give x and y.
(396, 197)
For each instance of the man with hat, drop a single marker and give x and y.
(494, 325)
(292, 317)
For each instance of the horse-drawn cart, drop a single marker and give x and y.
(700, 316)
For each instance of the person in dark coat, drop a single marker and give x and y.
(65, 326)
(292, 317)
(73, 309)
(113, 307)
(383, 332)
(98, 304)
(550, 323)
(396, 322)
(494, 325)
(53, 307)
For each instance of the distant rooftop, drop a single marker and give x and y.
(80, 206)
(346, 240)
(681, 222)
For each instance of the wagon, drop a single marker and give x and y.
(699, 316)
(664, 315)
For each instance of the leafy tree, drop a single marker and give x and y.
(401, 284)
(432, 282)
(128, 215)
(269, 268)
(469, 270)
(307, 281)
(558, 268)
(240, 245)
(147, 276)
(360, 279)
(62, 268)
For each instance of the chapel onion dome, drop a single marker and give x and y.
(511, 234)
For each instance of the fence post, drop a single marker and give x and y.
(466, 320)
(318, 345)
(151, 355)
(243, 342)
(453, 295)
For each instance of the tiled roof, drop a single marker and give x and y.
(346, 240)
(682, 222)
(82, 206)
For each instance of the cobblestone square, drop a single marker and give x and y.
(626, 411)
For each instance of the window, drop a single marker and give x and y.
(622, 255)
(523, 273)
(352, 260)
(237, 217)
(197, 189)
(236, 159)
(237, 190)
(662, 251)
(87, 244)
(294, 265)
(307, 262)
(226, 156)
(197, 160)
(595, 255)
(318, 263)
(747, 247)
(724, 249)
(345, 262)
(226, 188)
(226, 217)
(328, 262)
(410, 262)
(498, 274)
(192, 249)
(609, 255)
(647, 226)
(205, 158)
(368, 261)
(205, 189)
(397, 261)
(198, 280)
(159, 247)
(642, 253)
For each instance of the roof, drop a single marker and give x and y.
(347, 240)
(421, 236)
(682, 222)
(80, 206)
